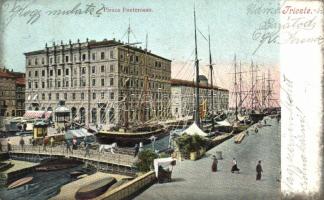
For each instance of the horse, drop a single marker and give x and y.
(106, 147)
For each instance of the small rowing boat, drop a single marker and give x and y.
(95, 188)
(77, 173)
(20, 182)
(5, 166)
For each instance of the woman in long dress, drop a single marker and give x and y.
(234, 167)
(214, 165)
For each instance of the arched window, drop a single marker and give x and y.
(82, 115)
(94, 115)
(74, 112)
(102, 116)
(111, 115)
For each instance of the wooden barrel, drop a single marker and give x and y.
(219, 155)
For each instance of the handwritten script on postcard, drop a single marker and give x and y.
(298, 19)
(31, 12)
(301, 39)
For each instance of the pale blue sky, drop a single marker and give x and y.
(169, 26)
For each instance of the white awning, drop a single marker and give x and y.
(37, 114)
(78, 133)
(164, 162)
(194, 129)
(242, 118)
(224, 123)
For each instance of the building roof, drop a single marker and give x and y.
(179, 82)
(6, 75)
(103, 43)
(20, 81)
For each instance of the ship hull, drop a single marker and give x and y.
(129, 139)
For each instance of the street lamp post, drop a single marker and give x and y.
(159, 103)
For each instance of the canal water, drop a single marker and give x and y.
(44, 186)
(164, 143)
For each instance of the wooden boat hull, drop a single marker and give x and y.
(57, 164)
(20, 182)
(255, 117)
(76, 174)
(95, 189)
(5, 166)
(129, 139)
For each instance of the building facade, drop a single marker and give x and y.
(12, 93)
(183, 97)
(104, 82)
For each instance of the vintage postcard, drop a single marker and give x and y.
(187, 99)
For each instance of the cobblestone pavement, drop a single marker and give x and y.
(194, 179)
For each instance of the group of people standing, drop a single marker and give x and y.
(234, 168)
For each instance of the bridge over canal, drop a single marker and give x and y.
(121, 161)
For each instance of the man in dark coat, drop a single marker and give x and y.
(259, 170)
(136, 149)
(22, 143)
(87, 149)
(214, 164)
(234, 167)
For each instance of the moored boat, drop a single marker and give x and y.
(77, 173)
(95, 188)
(57, 164)
(20, 182)
(131, 137)
(5, 166)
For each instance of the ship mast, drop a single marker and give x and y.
(252, 85)
(235, 88)
(240, 104)
(126, 95)
(211, 81)
(197, 118)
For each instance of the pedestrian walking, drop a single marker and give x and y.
(22, 143)
(258, 170)
(136, 150)
(68, 147)
(74, 143)
(0, 146)
(19, 126)
(87, 149)
(52, 141)
(234, 167)
(25, 126)
(214, 165)
(8, 145)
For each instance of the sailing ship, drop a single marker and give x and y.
(127, 134)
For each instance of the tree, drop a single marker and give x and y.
(190, 143)
(145, 160)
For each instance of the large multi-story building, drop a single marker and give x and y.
(12, 93)
(183, 97)
(105, 82)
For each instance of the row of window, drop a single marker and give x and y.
(60, 58)
(66, 83)
(7, 103)
(74, 96)
(83, 71)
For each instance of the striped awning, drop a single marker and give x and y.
(32, 114)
